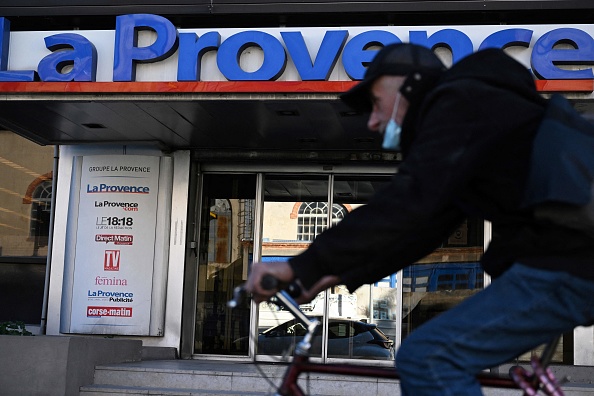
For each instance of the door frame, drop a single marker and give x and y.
(198, 170)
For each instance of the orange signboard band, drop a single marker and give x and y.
(583, 86)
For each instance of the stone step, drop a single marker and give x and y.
(200, 378)
(185, 377)
(184, 374)
(112, 390)
(115, 390)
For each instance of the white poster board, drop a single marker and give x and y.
(113, 255)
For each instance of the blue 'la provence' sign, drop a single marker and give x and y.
(78, 52)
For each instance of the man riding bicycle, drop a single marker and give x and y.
(466, 135)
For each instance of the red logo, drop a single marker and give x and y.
(124, 312)
(111, 261)
(116, 239)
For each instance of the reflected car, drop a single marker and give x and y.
(347, 338)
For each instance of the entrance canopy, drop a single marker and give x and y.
(174, 115)
(272, 89)
(253, 116)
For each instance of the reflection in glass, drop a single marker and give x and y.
(371, 329)
(445, 277)
(225, 253)
(25, 211)
(25, 196)
(312, 219)
(347, 338)
(295, 212)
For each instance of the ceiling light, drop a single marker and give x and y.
(93, 125)
(287, 113)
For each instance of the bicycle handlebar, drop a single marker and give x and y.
(238, 293)
(285, 297)
(268, 282)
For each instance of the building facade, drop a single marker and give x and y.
(151, 153)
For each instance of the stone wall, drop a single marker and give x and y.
(56, 365)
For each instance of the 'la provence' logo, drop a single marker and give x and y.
(106, 188)
(127, 206)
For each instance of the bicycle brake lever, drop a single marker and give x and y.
(238, 293)
(269, 282)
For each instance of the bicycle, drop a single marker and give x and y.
(541, 379)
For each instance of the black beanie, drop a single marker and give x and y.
(419, 64)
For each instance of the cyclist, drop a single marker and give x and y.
(466, 135)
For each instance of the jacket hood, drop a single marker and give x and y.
(494, 67)
(490, 66)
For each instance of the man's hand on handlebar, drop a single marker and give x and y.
(283, 273)
(280, 270)
(322, 284)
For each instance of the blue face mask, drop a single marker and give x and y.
(393, 130)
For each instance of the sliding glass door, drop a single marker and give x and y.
(273, 216)
(225, 252)
(295, 211)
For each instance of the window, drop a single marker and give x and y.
(25, 195)
(40, 213)
(313, 219)
(340, 330)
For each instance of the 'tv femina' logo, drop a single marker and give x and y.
(107, 189)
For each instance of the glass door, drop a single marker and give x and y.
(445, 277)
(291, 212)
(362, 324)
(225, 252)
(288, 211)
(295, 211)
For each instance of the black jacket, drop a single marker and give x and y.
(466, 150)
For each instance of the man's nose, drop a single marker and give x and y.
(373, 123)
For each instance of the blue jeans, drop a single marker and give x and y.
(520, 310)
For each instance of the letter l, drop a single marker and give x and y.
(8, 76)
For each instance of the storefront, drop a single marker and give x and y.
(185, 154)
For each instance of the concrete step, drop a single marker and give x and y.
(114, 390)
(201, 377)
(158, 353)
(191, 377)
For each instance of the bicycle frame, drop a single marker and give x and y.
(301, 364)
(530, 384)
